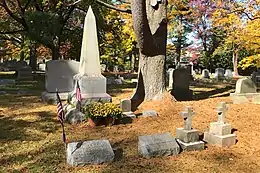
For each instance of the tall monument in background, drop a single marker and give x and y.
(92, 83)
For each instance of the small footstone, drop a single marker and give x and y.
(129, 114)
(158, 145)
(74, 116)
(89, 152)
(149, 113)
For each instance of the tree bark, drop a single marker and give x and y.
(55, 53)
(150, 26)
(33, 57)
(235, 59)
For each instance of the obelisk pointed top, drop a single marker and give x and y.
(89, 58)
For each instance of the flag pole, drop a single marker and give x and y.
(62, 125)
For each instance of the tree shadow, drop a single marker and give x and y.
(46, 158)
(206, 94)
(17, 129)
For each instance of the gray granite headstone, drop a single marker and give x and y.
(158, 145)
(42, 66)
(219, 73)
(228, 74)
(24, 72)
(125, 105)
(205, 74)
(245, 85)
(256, 78)
(59, 74)
(181, 84)
(149, 113)
(89, 152)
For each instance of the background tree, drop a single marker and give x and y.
(179, 26)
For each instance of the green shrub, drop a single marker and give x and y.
(99, 110)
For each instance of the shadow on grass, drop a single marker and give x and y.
(206, 94)
(18, 129)
(46, 158)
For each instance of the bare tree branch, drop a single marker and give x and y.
(113, 7)
(106, 5)
(26, 5)
(11, 14)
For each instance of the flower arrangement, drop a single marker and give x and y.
(102, 110)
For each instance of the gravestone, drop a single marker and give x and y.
(245, 92)
(89, 152)
(24, 73)
(158, 145)
(134, 81)
(220, 132)
(91, 82)
(116, 69)
(205, 74)
(245, 85)
(181, 84)
(42, 66)
(187, 137)
(103, 67)
(59, 75)
(125, 105)
(219, 73)
(228, 74)
(256, 78)
(149, 113)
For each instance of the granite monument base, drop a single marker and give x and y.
(245, 98)
(51, 98)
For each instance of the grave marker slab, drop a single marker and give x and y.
(89, 152)
(245, 92)
(158, 145)
(205, 74)
(219, 73)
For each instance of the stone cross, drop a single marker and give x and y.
(221, 110)
(187, 114)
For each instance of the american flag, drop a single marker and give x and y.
(78, 93)
(61, 117)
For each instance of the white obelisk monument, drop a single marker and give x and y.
(92, 83)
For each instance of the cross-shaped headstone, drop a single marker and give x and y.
(187, 114)
(221, 110)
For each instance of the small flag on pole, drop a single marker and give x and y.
(78, 96)
(61, 115)
(78, 93)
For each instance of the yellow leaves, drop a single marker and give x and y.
(251, 61)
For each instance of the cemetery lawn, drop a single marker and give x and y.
(30, 134)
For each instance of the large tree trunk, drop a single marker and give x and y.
(150, 26)
(234, 60)
(33, 57)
